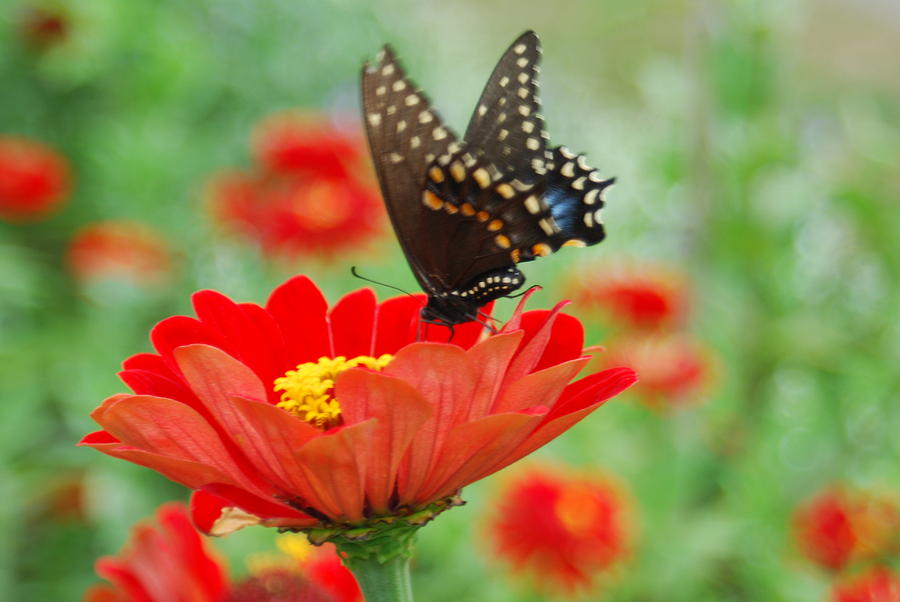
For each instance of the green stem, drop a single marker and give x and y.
(383, 582)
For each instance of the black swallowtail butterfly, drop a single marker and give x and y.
(467, 211)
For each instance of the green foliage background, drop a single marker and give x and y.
(757, 147)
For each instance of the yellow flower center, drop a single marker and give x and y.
(308, 391)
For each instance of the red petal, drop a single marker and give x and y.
(566, 342)
(445, 378)
(473, 446)
(538, 388)
(538, 326)
(337, 470)
(515, 321)
(353, 324)
(147, 361)
(97, 438)
(118, 573)
(144, 382)
(206, 572)
(167, 428)
(400, 412)
(396, 322)
(271, 437)
(224, 385)
(491, 359)
(299, 308)
(177, 331)
(599, 386)
(206, 509)
(215, 376)
(579, 400)
(255, 344)
(213, 498)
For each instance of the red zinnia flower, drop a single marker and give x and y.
(164, 562)
(119, 249)
(291, 215)
(34, 179)
(674, 369)
(637, 297)
(837, 527)
(296, 416)
(562, 528)
(879, 584)
(326, 570)
(312, 195)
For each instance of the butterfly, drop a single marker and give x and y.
(468, 210)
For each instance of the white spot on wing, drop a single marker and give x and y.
(374, 119)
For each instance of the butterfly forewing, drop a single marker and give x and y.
(405, 135)
(507, 124)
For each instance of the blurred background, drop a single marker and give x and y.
(751, 274)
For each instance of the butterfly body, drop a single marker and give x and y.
(466, 212)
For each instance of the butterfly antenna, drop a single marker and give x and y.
(525, 292)
(361, 277)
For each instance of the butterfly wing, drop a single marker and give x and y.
(507, 124)
(405, 135)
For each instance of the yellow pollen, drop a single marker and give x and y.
(308, 391)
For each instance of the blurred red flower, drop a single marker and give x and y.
(294, 142)
(169, 561)
(564, 529)
(34, 179)
(163, 562)
(326, 570)
(261, 411)
(837, 527)
(44, 25)
(642, 297)
(674, 369)
(295, 215)
(312, 194)
(879, 584)
(119, 249)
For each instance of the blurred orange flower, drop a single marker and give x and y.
(34, 179)
(310, 196)
(673, 369)
(564, 529)
(632, 297)
(837, 527)
(879, 584)
(120, 249)
(165, 561)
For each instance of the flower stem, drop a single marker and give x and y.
(383, 582)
